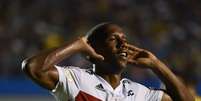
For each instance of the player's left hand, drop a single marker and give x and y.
(141, 57)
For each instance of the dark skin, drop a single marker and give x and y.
(41, 66)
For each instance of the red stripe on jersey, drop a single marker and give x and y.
(82, 96)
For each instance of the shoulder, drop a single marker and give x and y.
(142, 91)
(140, 86)
(73, 71)
(68, 68)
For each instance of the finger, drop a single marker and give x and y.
(132, 47)
(132, 52)
(97, 56)
(132, 62)
(142, 62)
(93, 53)
(84, 39)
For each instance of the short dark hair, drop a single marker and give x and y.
(98, 34)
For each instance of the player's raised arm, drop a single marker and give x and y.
(176, 90)
(40, 67)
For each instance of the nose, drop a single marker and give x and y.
(121, 43)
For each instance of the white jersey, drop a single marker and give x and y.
(77, 84)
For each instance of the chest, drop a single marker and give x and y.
(89, 88)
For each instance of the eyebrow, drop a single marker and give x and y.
(115, 33)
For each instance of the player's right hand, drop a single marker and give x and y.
(87, 49)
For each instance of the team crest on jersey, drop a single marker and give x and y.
(90, 71)
(130, 93)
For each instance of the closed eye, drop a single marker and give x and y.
(112, 38)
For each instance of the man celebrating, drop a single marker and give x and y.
(108, 49)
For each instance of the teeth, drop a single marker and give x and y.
(123, 54)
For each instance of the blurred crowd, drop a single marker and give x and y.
(171, 29)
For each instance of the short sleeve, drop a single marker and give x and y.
(147, 94)
(154, 95)
(68, 84)
(61, 91)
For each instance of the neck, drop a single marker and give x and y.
(112, 78)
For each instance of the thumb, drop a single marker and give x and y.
(134, 62)
(90, 51)
(96, 56)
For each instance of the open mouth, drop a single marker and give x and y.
(122, 55)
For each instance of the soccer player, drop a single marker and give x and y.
(108, 49)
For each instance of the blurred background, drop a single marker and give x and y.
(171, 29)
